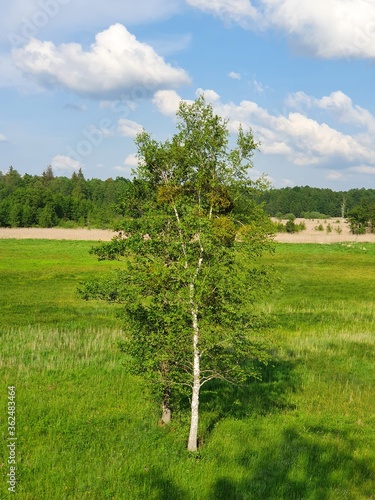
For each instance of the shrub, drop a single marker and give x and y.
(290, 217)
(290, 227)
(314, 215)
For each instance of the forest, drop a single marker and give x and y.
(310, 202)
(48, 200)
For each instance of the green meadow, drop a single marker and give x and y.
(86, 429)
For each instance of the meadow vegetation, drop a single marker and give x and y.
(88, 429)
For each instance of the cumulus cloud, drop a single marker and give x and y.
(116, 63)
(298, 137)
(129, 128)
(167, 101)
(338, 105)
(131, 160)
(324, 28)
(65, 163)
(3, 138)
(210, 95)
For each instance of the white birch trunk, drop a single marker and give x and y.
(193, 436)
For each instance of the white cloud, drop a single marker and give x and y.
(129, 128)
(116, 63)
(3, 138)
(131, 160)
(240, 11)
(259, 87)
(130, 163)
(324, 28)
(167, 101)
(363, 169)
(296, 136)
(334, 175)
(234, 75)
(338, 105)
(65, 163)
(210, 95)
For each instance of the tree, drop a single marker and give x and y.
(48, 175)
(190, 242)
(362, 218)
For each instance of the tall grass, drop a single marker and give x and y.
(88, 429)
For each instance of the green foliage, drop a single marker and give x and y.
(314, 215)
(291, 217)
(314, 203)
(97, 203)
(362, 218)
(289, 227)
(48, 201)
(191, 269)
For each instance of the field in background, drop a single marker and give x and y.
(87, 429)
(333, 230)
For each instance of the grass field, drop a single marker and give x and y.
(88, 430)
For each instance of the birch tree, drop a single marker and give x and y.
(190, 245)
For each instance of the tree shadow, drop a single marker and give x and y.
(157, 486)
(271, 394)
(320, 464)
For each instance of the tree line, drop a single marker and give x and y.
(311, 202)
(47, 200)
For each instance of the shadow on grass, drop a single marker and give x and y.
(157, 486)
(269, 395)
(320, 464)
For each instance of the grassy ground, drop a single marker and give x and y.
(86, 429)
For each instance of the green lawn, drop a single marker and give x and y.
(87, 429)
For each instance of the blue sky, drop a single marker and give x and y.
(80, 78)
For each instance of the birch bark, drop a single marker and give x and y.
(193, 435)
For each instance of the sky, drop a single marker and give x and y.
(80, 78)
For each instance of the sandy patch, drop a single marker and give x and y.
(335, 230)
(55, 233)
(339, 233)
